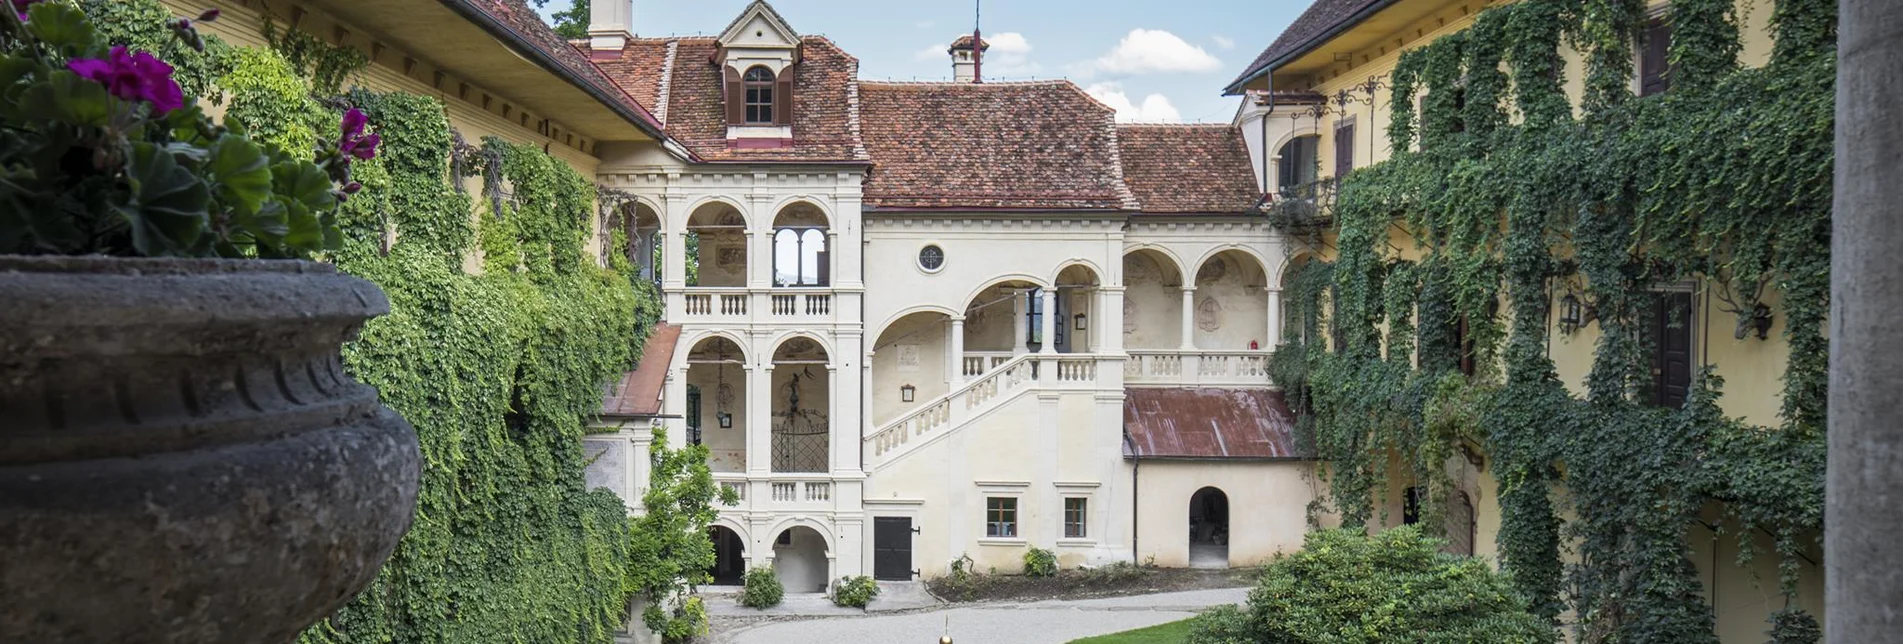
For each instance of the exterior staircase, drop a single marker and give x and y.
(941, 416)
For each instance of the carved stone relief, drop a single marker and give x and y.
(1209, 314)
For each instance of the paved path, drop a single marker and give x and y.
(1046, 622)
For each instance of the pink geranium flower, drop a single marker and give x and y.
(133, 76)
(354, 143)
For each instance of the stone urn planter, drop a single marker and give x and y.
(182, 457)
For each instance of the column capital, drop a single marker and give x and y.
(1187, 289)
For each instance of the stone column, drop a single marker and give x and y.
(1274, 336)
(1189, 319)
(758, 425)
(834, 441)
(1109, 320)
(1047, 327)
(957, 357)
(1021, 333)
(1863, 576)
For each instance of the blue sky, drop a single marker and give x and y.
(1153, 60)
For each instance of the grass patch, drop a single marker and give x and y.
(1170, 633)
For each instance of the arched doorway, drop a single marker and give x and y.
(799, 560)
(1075, 306)
(730, 562)
(800, 253)
(717, 402)
(643, 245)
(802, 407)
(1209, 529)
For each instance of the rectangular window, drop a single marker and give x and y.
(759, 104)
(1074, 514)
(1655, 66)
(1034, 318)
(1001, 517)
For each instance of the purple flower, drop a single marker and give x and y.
(133, 77)
(19, 7)
(354, 143)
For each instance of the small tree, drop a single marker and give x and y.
(1039, 562)
(671, 550)
(1396, 586)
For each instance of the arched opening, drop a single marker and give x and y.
(1232, 303)
(730, 562)
(909, 364)
(1075, 307)
(1297, 163)
(799, 559)
(643, 245)
(1301, 320)
(716, 246)
(758, 82)
(1209, 529)
(1152, 301)
(802, 407)
(717, 402)
(800, 251)
(1002, 320)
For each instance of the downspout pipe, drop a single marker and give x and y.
(1136, 465)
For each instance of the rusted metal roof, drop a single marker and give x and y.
(638, 394)
(1208, 423)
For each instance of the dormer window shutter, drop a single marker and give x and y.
(736, 97)
(783, 97)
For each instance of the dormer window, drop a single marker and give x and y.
(758, 84)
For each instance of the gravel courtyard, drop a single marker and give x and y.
(1045, 622)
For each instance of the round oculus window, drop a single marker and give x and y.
(931, 258)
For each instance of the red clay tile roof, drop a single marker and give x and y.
(679, 77)
(964, 42)
(1320, 22)
(527, 29)
(1031, 145)
(1202, 423)
(1188, 168)
(639, 391)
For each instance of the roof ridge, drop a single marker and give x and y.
(666, 82)
(1124, 193)
(1055, 81)
(1176, 125)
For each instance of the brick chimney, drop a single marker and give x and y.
(610, 24)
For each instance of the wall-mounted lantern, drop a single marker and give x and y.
(1080, 321)
(1572, 313)
(725, 419)
(1761, 320)
(907, 393)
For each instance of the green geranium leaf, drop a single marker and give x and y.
(60, 25)
(165, 204)
(65, 97)
(240, 172)
(303, 182)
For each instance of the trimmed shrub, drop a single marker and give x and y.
(855, 592)
(763, 589)
(1396, 586)
(1226, 624)
(1039, 562)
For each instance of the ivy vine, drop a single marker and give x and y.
(1511, 197)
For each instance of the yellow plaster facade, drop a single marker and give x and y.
(1752, 368)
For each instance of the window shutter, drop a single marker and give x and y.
(1655, 66)
(783, 97)
(736, 97)
(1344, 149)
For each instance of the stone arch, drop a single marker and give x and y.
(1078, 262)
(700, 206)
(1209, 512)
(902, 313)
(802, 556)
(780, 341)
(694, 341)
(715, 409)
(1261, 263)
(1156, 250)
(723, 253)
(793, 522)
(995, 280)
(819, 207)
(909, 355)
(799, 402)
(1290, 262)
(1231, 301)
(801, 253)
(730, 554)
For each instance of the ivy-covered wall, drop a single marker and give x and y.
(1504, 194)
(502, 334)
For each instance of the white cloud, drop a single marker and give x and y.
(1224, 42)
(1009, 55)
(1155, 108)
(1146, 51)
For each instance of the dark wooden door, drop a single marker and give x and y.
(892, 548)
(1655, 67)
(1672, 350)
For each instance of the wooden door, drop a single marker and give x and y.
(1672, 350)
(892, 548)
